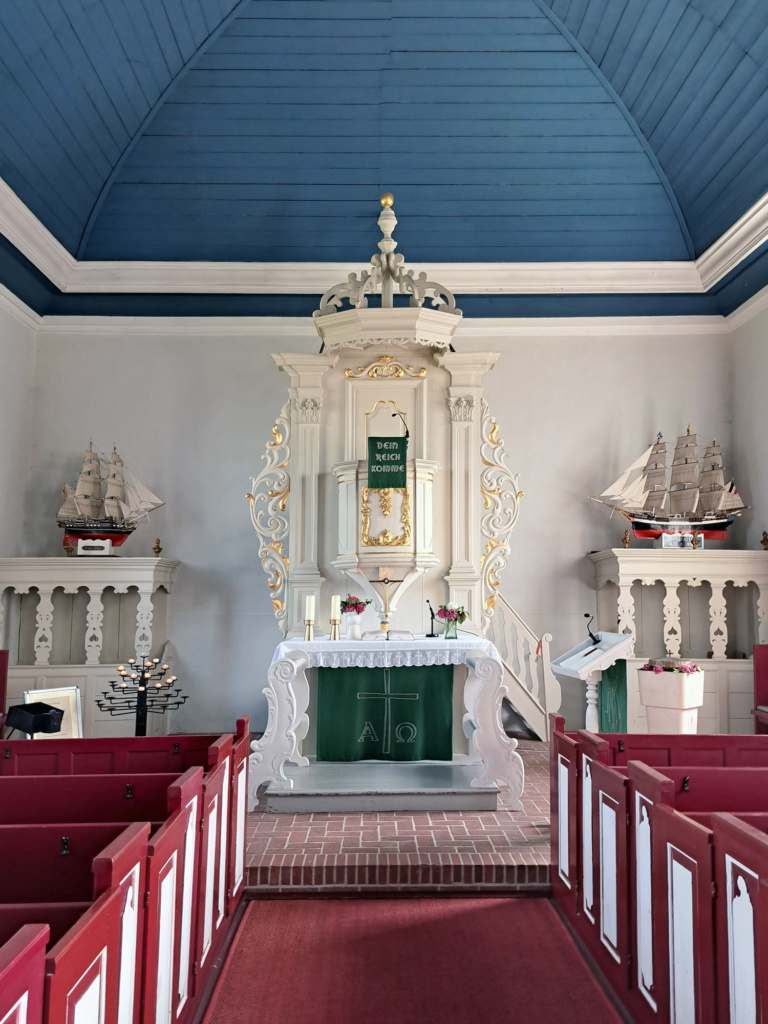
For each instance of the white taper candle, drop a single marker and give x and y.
(336, 606)
(309, 607)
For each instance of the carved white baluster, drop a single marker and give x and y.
(626, 608)
(144, 614)
(718, 630)
(44, 631)
(94, 620)
(672, 636)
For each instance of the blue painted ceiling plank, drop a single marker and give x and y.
(669, 73)
(633, 125)
(147, 120)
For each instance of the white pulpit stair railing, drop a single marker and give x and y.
(533, 689)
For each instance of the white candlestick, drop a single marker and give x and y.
(336, 606)
(309, 607)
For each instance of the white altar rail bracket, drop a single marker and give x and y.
(83, 664)
(288, 694)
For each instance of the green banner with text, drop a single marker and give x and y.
(387, 460)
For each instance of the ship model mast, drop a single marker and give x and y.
(696, 499)
(89, 513)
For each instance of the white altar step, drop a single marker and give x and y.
(381, 786)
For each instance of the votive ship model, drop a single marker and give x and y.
(90, 513)
(695, 498)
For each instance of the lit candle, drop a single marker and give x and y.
(336, 606)
(309, 607)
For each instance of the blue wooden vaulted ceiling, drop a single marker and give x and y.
(264, 130)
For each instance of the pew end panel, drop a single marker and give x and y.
(741, 864)
(22, 975)
(681, 962)
(238, 814)
(564, 830)
(605, 919)
(173, 870)
(83, 969)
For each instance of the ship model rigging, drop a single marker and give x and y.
(695, 498)
(91, 513)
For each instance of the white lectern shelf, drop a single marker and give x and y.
(587, 662)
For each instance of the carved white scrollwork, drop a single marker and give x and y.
(385, 367)
(388, 271)
(287, 696)
(268, 498)
(718, 628)
(672, 635)
(489, 745)
(501, 504)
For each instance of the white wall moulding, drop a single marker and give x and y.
(22, 228)
(62, 657)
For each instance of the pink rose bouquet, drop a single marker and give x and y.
(353, 605)
(451, 613)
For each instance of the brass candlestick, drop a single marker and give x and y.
(335, 629)
(309, 629)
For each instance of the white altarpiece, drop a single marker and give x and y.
(322, 530)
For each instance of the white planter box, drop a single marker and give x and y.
(672, 700)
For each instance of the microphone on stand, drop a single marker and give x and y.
(407, 433)
(432, 624)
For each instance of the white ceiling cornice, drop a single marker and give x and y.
(734, 245)
(20, 311)
(31, 237)
(316, 278)
(23, 229)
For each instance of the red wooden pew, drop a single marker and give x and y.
(191, 878)
(22, 975)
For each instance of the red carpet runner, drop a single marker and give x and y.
(414, 961)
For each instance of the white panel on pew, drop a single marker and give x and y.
(741, 944)
(609, 913)
(240, 833)
(167, 921)
(128, 955)
(644, 890)
(188, 885)
(588, 881)
(86, 1004)
(18, 1012)
(562, 819)
(682, 992)
(210, 868)
(223, 830)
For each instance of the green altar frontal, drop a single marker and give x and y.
(386, 714)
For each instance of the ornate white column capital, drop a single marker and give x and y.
(462, 408)
(309, 409)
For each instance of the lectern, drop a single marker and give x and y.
(587, 662)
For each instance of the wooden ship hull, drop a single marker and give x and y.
(118, 533)
(647, 527)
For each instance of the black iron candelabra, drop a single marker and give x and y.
(144, 689)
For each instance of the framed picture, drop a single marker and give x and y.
(67, 699)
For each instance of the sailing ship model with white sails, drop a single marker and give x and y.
(90, 513)
(694, 499)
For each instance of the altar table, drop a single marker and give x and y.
(288, 699)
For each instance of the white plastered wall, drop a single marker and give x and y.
(17, 349)
(192, 413)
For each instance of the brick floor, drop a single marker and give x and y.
(432, 851)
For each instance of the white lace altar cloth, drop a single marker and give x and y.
(387, 653)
